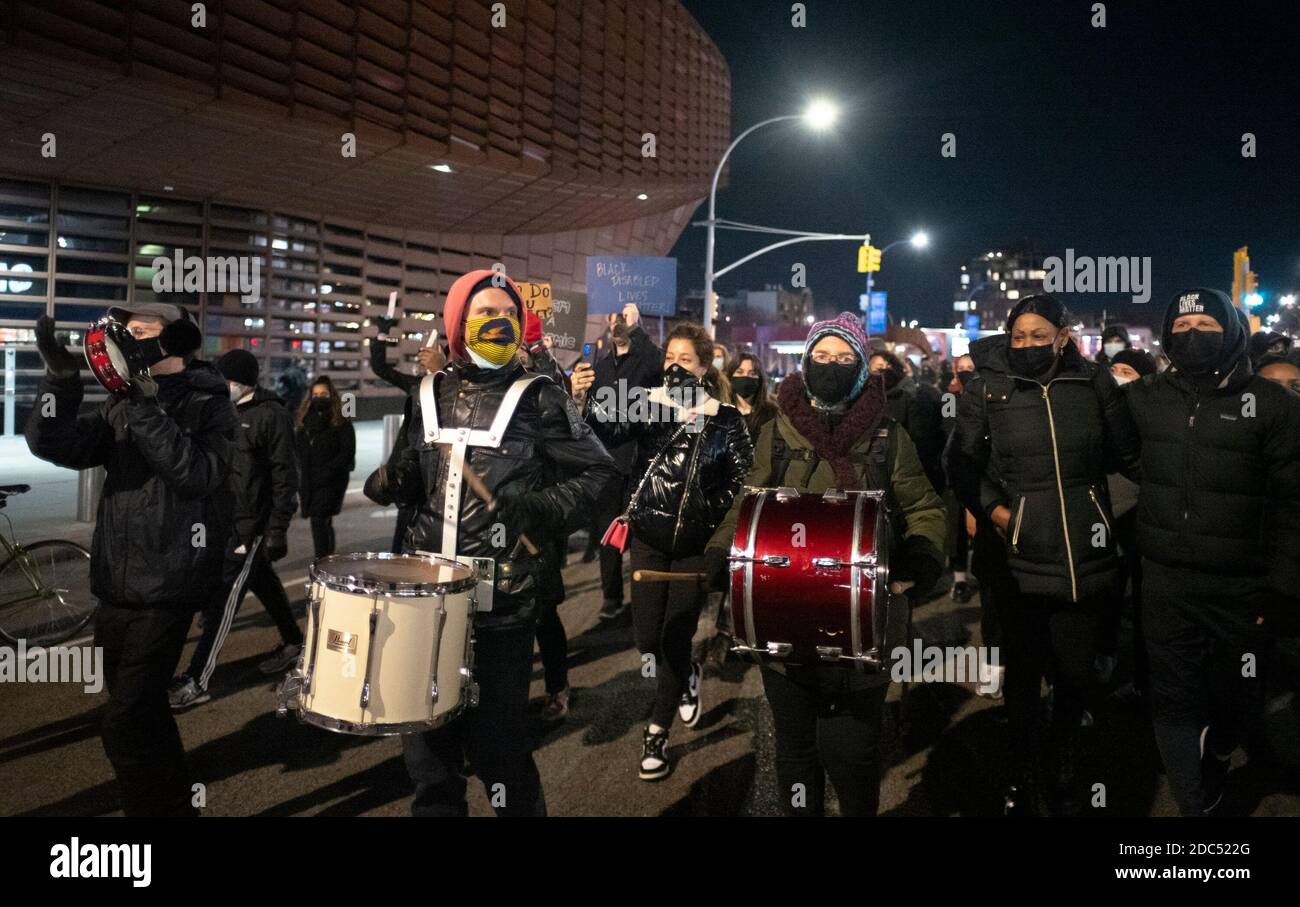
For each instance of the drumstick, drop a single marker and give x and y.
(392, 302)
(659, 576)
(476, 485)
(433, 335)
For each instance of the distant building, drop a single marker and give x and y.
(773, 304)
(991, 284)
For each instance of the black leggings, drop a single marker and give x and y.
(823, 728)
(664, 616)
(1052, 638)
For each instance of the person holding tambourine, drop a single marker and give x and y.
(164, 439)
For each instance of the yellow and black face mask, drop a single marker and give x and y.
(493, 339)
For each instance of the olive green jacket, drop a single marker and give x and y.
(909, 494)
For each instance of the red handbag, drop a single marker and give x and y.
(616, 535)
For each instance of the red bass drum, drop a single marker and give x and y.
(810, 576)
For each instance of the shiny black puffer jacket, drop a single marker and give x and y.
(692, 485)
(165, 513)
(546, 452)
(1043, 451)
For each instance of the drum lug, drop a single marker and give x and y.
(830, 653)
(787, 493)
(370, 657)
(776, 560)
(828, 563)
(780, 649)
(835, 494)
(433, 691)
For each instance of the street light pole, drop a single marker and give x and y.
(713, 202)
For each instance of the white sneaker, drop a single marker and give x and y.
(654, 757)
(992, 678)
(690, 709)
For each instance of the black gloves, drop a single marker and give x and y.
(717, 569)
(921, 562)
(275, 545)
(59, 363)
(522, 511)
(386, 326)
(143, 387)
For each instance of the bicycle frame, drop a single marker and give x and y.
(39, 589)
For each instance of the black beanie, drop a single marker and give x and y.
(1116, 330)
(1042, 305)
(1139, 360)
(1216, 304)
(239, 366)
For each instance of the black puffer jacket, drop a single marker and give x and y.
(1043, 451)
(1220, 474)
(546, 451)
(693, 484)
(166, 461)
(263, 469)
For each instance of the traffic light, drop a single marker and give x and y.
(868, 259)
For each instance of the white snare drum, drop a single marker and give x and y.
(389, 645)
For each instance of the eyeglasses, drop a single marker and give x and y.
(841, 359)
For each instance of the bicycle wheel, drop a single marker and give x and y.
(45, 593)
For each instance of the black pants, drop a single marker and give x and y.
(254, 573)
(1198, 627)
(823, 727)
(996, 581)
(404, 517)
(553, 644)
(322, 534)
(664, 617)
(492, 741)
(611, 502)
(142, 647)
(1054, 639)
(1130, 573)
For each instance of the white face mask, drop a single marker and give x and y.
(1112, 348)
(1122, 379)
(718, 363)
(237, 391)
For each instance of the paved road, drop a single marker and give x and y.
(945, 746)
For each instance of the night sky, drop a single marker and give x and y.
(1123, 140)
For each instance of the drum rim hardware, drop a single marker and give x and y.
(319, 572)
(100, 361)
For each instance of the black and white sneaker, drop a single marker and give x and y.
(612, 609)
(281, 659)
(654, 757)
(1214, 773)
(184, 692)
(690, 709)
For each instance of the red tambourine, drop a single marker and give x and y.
(106, 341)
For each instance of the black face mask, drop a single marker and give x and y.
(1196, 351)
(320, 404)
(746, 386)
(964, 377)
(1032, 361)
(830, 382)
(892, 377)
(676, 376)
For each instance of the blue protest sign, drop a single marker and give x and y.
(877, 323)
(648, 283)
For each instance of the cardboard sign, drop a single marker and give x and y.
(567, 324)
(537, 298)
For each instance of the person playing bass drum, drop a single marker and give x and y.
(833, 432)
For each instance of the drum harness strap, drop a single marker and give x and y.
(458, 440)
(877, 456)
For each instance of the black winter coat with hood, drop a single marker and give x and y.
(263, 469)
(327, 454)
(689, 472)
(1043, 450)
(164, 514)
(1220, 486)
